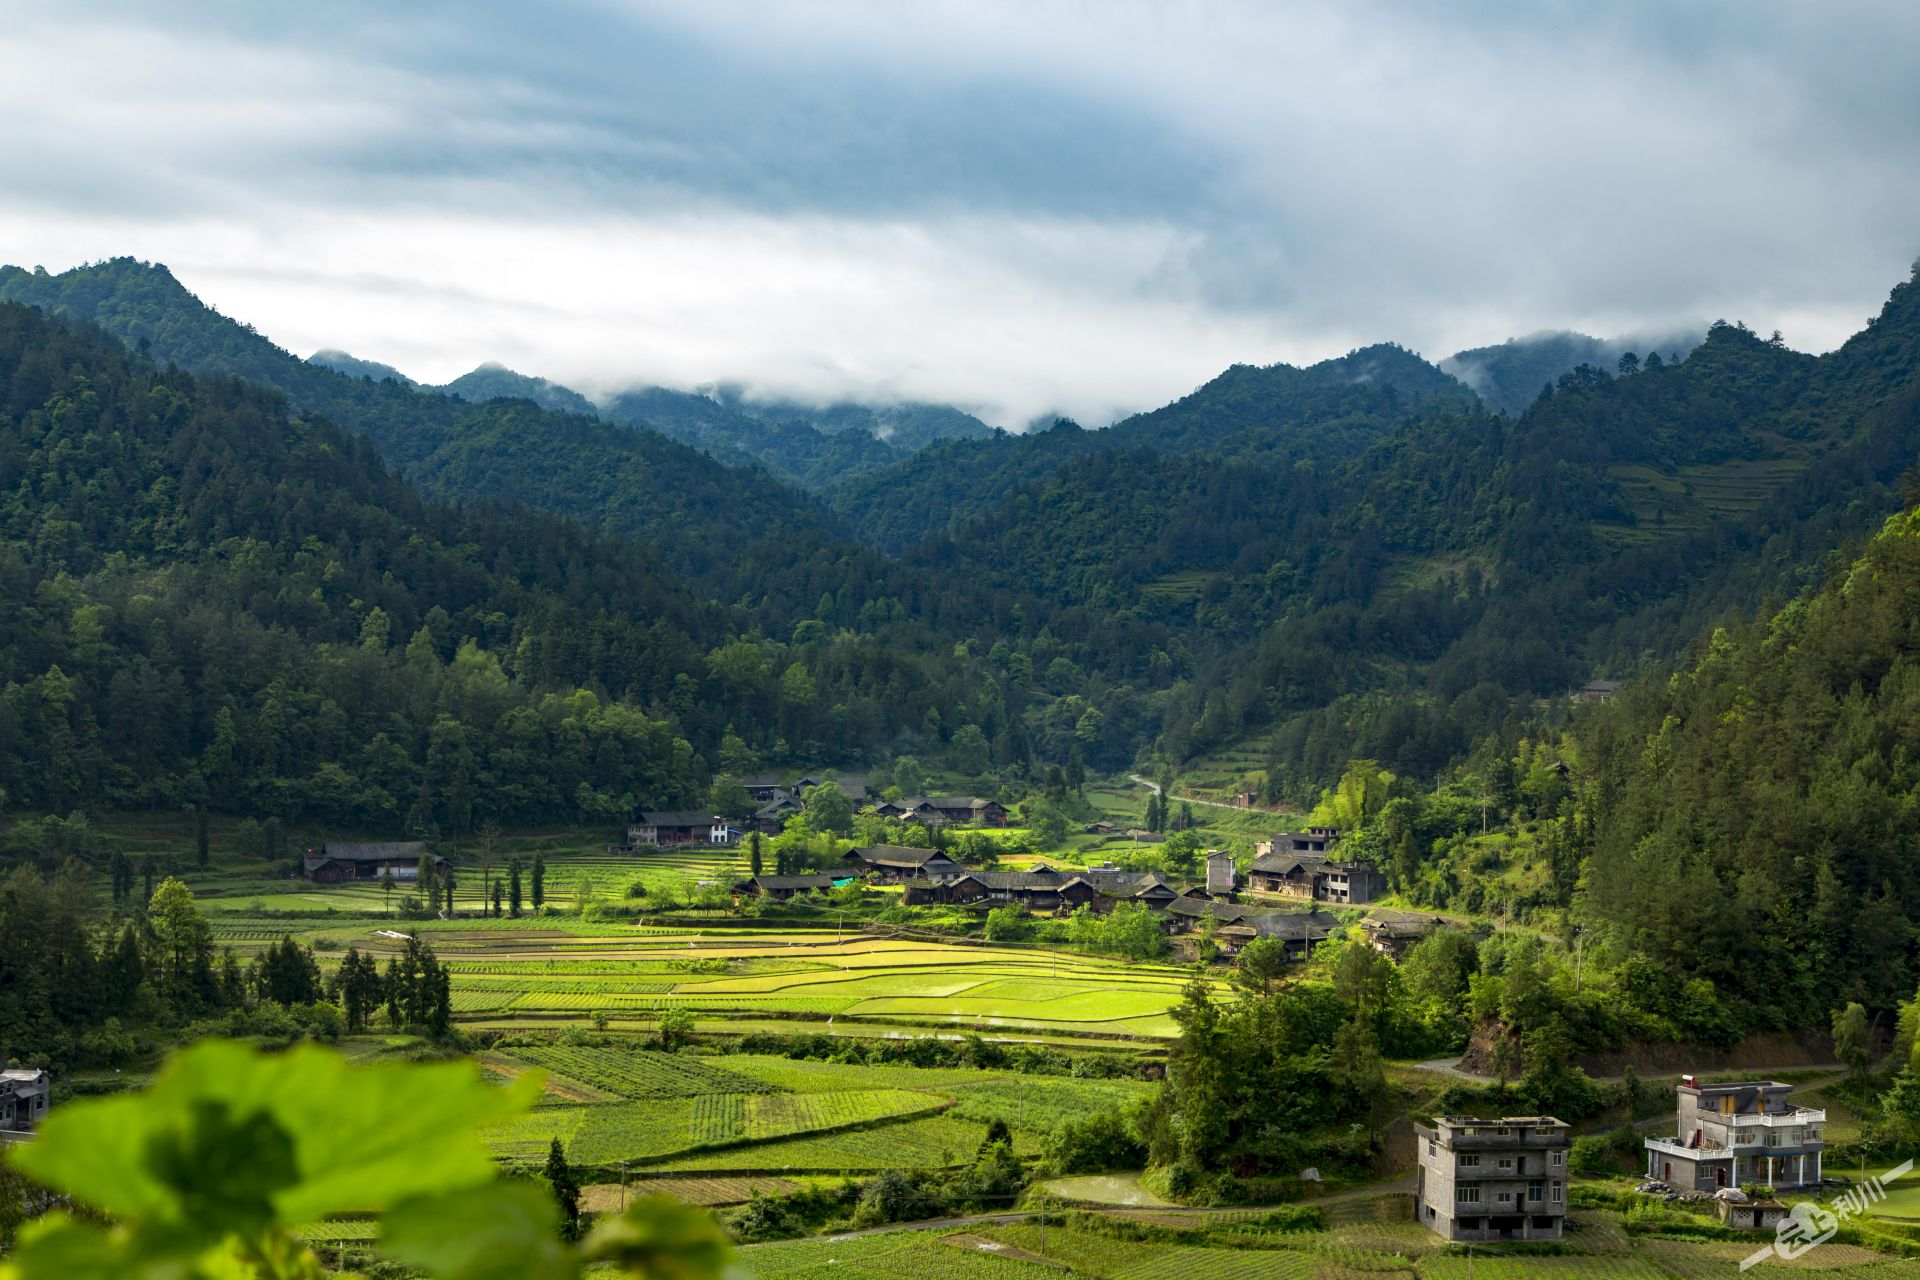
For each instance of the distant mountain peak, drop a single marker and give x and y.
(492, 380)
(354, 367)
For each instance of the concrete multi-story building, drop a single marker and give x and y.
(1502, 1179)
(1734, 1135)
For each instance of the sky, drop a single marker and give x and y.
(1019, 208)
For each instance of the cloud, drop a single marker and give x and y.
(1019, 208)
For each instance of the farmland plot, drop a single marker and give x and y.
(662, 1127)
(640, 1073)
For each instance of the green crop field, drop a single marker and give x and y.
(885, 1257)
(638, 1074)
(659, 1127)
(538, 969)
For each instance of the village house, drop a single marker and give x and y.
(893, 864)
(959, 811)
(1500, 1179)
(1221, 874)
(854, 784)
(1741, 1212)
(1148, 889)
(780, 888)
(1185, 915)
(1043, 889)
(762, 787)
(771, 817)
(1393, 935)
(1298, 931)
(1318, 840)
(1315, 878)
(1732, 1135)
(25, 1095)
(339, 860)
(1598, 691)
(670, 827)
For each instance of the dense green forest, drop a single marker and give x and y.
(1756, 818)
(1356, 559)
(1296, 421)
(209, 602)
(1461, 562)
(1509, 376)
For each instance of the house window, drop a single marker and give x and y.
(1556, 1193)
(1470, 1161)
(1533, 1193)
(1559, 1158)
(1506, 1162)
(1433, 1148)
(1467, 1195)
(1504, 1197)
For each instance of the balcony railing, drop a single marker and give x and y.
(1777, 1119)
(1531, 1139)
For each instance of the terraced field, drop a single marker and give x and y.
(556, 969)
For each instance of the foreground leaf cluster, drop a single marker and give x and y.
(211, 1172)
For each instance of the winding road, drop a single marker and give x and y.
(1211, 804)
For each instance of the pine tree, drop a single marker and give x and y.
(539, 882)
(496, 899)
(566, 1190)
(429, 888)
(513, 888)
(753, 854)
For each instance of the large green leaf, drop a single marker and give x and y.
(660, 1237)
(230, 1139)
(500, 1231)
(58, 1247)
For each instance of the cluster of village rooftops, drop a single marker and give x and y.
(1299, 868)
(1296, 867)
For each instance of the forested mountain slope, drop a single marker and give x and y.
(772, 555)
(1464, 559)
(1280, 415)
(1757, 816)
(638, 483)
(205, 600)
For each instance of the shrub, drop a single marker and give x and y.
(1101, 1142)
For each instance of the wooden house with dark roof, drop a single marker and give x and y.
(893, 864)
(1298, 931)
(781, 888)
(341, 860)
(1042, 889)
(667, 828)
(771, 817)
(1393, 935)
(959, 811)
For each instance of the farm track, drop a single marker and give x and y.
(1399, 1186)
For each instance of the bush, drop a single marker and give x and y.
(1097, 1144)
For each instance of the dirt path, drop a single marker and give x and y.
(1451, 1067)
(1211, 804)
(1396, 1186)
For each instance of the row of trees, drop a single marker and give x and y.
(75, 991)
